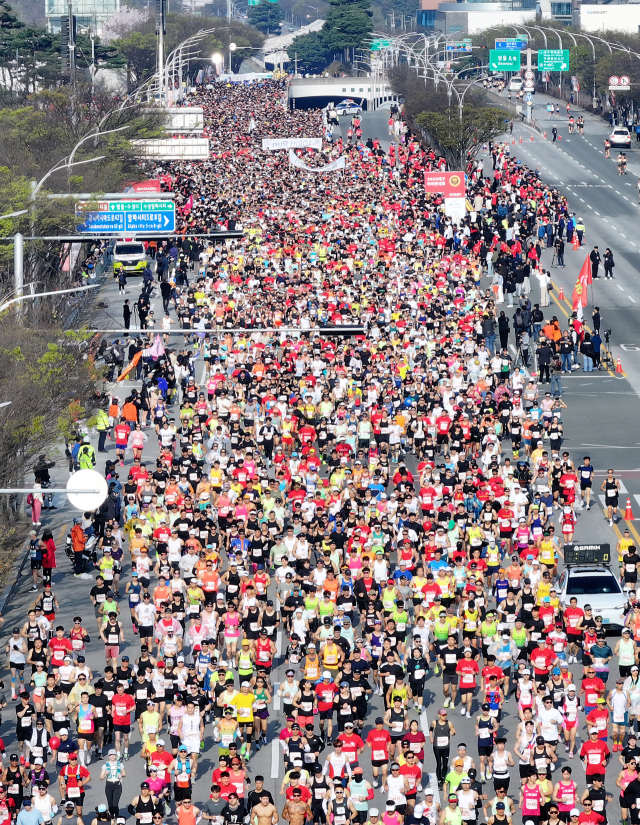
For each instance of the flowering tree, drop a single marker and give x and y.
(122, 23)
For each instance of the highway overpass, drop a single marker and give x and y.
(369, 92)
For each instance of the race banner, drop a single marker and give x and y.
(273, 144)
(294, 160)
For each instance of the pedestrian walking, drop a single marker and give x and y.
(122, 281)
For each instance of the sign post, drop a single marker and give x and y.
(553, 60)
(504, 60)
(124, 216)
(511, 44)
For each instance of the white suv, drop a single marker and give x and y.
(620, 137)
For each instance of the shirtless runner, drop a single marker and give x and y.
(264, 813)
(295, 810)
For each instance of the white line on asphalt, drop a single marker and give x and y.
(633, 300)
(620, 288)
(278, 643)
(625, 197)
(598, 214)
(605, 220)
(632, 243)
(424, 722)
(582, 199)
(627, 184)
(276, 698)
(433, 784)
(275, 758)
(589, 205)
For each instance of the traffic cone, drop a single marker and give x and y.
(561, 294)
(520, 139)
(575, 240)
(544, 135)
(619, 365)
(513, 142)
(628, 513)
(531, 138)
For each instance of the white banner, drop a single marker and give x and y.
(294, 160)
(455, 208)
(271, 144)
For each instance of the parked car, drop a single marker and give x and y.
(620, 137)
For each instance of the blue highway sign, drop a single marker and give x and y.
(514, 43)
(126, 216)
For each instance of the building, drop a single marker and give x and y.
(469, 17)
(598, 17)
(88, 13)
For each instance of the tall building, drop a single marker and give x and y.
(89, 13)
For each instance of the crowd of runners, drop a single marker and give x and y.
(394, 503)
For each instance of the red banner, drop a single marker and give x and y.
(450, 184)
(580, 289)
(147, 186)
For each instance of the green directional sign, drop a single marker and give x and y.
(504, 60)
(553, 60)
(377, 45)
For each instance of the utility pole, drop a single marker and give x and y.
(529, 53)
(18, 267)
(72, 45)
(296, 63)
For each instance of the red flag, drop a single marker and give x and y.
(580, 289)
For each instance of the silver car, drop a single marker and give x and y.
(620, 137)
(597, 586)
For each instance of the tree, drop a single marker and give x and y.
(347, 25)
(311, 51)
(139, 52)
(123, 22)
(460, 139)
(266, 17)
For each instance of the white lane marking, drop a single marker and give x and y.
(275, 758)
(620, 288)
(582, 199)
(633, 300)
(424, 722)
(589, 205)
(276, 698)
(625, 197)
(598, 214)
(605, 220)
(433, 784)
(279, 643)
(632, 243)
(637, 497)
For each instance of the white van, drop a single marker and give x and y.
(516, 83)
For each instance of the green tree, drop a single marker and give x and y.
(139, 52)
(348, 24)
(459, 139)
(311, 52)
(266, 17)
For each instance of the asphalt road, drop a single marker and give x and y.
(590, 420)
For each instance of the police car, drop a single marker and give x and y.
(589, 579)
